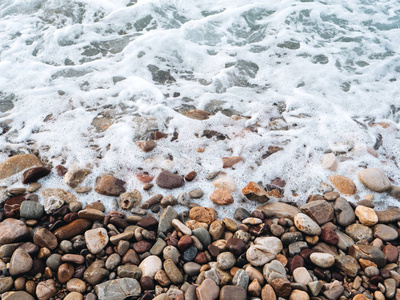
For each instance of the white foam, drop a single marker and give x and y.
(333, 66)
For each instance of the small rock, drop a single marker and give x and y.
(72, 229)
(255, 192)
(45, 238)
(228, 162)
(299, 295)
(366, 215)
(225, 182)
(197, 114)
(165, 222)
(323, 260)
(34, 174)
(46, 289)
(368, 252)
(221, 197)
(168, 180)
(320, 211)
(150, 266)
(173, 272)
(203, 214)
(109, 185)
(273, 270)
(58, 194)
(302, 276)
(20, 263)
(51, 204)
(96, 239)
(359, 232)
(232, 292)
(31, 210)
(374, 179)
(12, 230)
(330, 162)
(279, 210)
(344, 213)
(146, 146)
(385, 233)
(20, 295)
(75, 176)
(196, 194)
(305, 224)
(343, 184)
(208, 290)
(281, 286)
(65, 272)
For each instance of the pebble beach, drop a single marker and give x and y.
(52, 246)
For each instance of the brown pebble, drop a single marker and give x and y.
(190, 176)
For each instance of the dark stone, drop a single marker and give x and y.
(142, 246)
(329, 236)
(201, 258)
(61, 212)
(236, 246)
(291, 237)
(12, 206)
(37, 267)
(34, 174)
(214, 250)
(148, 223)
(320, 211)
(305, 254)
(68, 218)
(241, 214)
(118, 222)
(189, 254)
(168, 180)
(61, 170)
(296, 262)
(184, 242)
(31, 248)
(147, 283)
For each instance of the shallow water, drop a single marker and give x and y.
(82, 81)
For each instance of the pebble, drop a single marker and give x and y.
(46, 289)
(385, 233)
(208, 290)
(150, 266)
(225, 182)
(359, 232)
(366, 215)
(196, 194)
(226, 260)
(31, 210)
(374, 179)
(255, 192)
(165, 222)
(21, 262)
(117, 289)
(241, 279)
(109, 185)
(302, 276)
(299, 295)
(305, 224)
(173, 272)
(319, 210)
(273, 270)
(323, 260)
(232, 292)
(221, 197)
(330, 162)
(343, 184)
(167, 180)
(203, 214)
(12, 230)
(344, 213)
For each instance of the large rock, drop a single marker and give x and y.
(45, 238)
(385, 233)
(208, 290)
(18, 163)
(358, 232)
(343, 184)
(150, 266)
(109, 185)
(96, 272)
(118, 289)
(96, 239)
(167, 180)
(31, 210)
(46, 289)
(20, 295)
(374, 179)
(279, 210)
(371, 253)
(348, 265)
(320, 211)
(21, 262)
(264, 250)
(391, 215)
(12, 230)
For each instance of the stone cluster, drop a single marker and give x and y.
(328, 248)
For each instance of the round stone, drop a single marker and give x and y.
(366, 215)
(226, 260)
(150, 266)
(323, 260)
(307, 225)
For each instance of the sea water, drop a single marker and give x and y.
(82, 81)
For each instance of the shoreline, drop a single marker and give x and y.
(328, 248)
